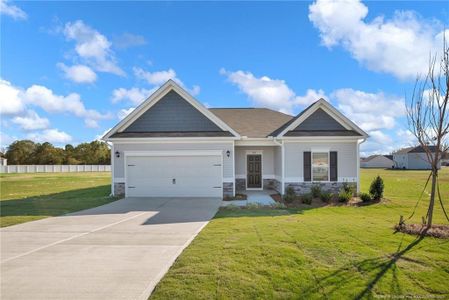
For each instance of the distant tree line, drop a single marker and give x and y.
(26, 152)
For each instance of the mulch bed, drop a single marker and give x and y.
(317, 202)
(437, 231)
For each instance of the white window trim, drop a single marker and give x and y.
(254, 152)
(328, 166)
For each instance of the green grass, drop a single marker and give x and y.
(329, 252)
(28, 197)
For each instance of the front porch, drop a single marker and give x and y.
(260, 197)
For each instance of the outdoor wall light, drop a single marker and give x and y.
(228, 153)
(117, 154)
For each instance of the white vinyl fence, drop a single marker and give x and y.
(54, 168)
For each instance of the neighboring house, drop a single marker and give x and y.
(377, 161)
(445, 159)
(3, 160)
(413, 158)
(171, 145)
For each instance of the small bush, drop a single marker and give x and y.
(306, 199)
(278, 205)
(365, 197)
(376, 189)
(290, 195)
(316, 191)
(253, 205)
(344, 196)
(326, 197)
(348, 188)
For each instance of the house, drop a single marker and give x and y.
(173, 146)
(3, 160)
(412, 158)
(377, 161)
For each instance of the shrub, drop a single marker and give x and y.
(326, 197)
(365, 197)
(376, 189)
(290, 195)
(306, 199)
(344, 196)
(316, 191)
(253, 205)
(278, 205)
(348, 188)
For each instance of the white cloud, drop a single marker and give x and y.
(127, 40)
(91, 123)
(310, 97)
(263, 91)
(11, 10)
(135, 95)
(368, 110)
(10, 100)
(31, 121)
(195, 90)
(93, 47)
(5, 140)
(124, 112)
(50, 135)
(399, 46)
(157, 77)
(78, 73)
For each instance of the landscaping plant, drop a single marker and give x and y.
(306, 199)
(316, 191)
(365, 197)
(376, 189)
(290, 195)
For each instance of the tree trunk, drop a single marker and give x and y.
(432, 197)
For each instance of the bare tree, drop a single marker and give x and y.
(428, 116)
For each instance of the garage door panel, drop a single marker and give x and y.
(195, 176)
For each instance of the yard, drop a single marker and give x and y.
(330, 252)
(29, 197)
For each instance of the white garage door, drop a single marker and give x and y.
(174, 176)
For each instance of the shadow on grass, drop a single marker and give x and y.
(373, 268)
(57, 203)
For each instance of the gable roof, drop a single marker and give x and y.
(170, 85)
(416, 149)
(293, 128)
(252, 122)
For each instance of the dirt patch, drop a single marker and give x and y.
(437, 231)
(236, 197)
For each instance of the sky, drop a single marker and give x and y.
(69, 71)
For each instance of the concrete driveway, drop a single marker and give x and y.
(116, 251)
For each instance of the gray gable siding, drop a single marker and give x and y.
(172, 113)
(319, 120)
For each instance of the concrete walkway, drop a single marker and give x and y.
(116, 251)
(254, 197)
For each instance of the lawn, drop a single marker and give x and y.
(329, 252)
(28, 197)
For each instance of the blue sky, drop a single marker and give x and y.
(71, 70)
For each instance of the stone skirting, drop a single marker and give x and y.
(305, 187)
(119, 189)
(240, 184)
(228, 189)
(272, 184)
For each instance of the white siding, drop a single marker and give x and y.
(267, 159)
(347, 158)
(118, 164)
(278, 163)
(378, 162)
(417, 161)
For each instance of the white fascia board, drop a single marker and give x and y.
(328, 108)
(171, 140)
(255, 142)
(321, 139)
(158, 95)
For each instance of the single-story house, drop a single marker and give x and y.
(413, 158)
(173, 146)
(377, 161)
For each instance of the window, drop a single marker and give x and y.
(320, 166)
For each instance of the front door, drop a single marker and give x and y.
(254, 171)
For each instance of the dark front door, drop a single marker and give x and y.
(254, 170)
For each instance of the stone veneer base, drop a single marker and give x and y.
(305, 187)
